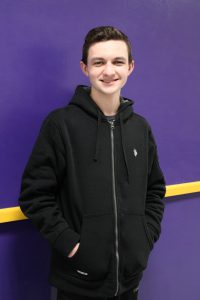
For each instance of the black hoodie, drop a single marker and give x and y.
(99, 183)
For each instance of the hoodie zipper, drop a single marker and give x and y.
(112, 126)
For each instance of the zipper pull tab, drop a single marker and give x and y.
(112, 124)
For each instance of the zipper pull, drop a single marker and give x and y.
(112, 124)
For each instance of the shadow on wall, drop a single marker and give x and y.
(24, 262)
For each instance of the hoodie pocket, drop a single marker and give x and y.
(136, 244)
(91, 261)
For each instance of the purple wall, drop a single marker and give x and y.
(40, 50)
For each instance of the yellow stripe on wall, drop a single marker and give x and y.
(183, 188)
(15, 214)
(11, 214)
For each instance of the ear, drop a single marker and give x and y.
(84, 68)
(131, 67)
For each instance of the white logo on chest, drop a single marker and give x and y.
(135, 152)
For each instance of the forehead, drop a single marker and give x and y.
(108, 50)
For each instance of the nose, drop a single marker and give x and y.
(108, 69)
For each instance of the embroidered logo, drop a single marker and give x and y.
(135, 152)
(81, 272)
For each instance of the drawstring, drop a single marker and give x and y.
(97, 146)
(123, 145)
(96, 155)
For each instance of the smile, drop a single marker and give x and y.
(107, 82)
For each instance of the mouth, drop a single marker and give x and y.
(109, 81)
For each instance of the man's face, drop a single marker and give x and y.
(107, 67)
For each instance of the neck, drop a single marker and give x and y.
(108, 104)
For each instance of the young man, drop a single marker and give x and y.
(93, 185)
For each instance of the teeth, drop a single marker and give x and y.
(108, 81)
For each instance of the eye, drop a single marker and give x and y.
(98, 63)
(119, 62)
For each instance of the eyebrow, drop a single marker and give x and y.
(116, 58)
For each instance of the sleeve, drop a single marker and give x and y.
(156, 190)
(40, 182)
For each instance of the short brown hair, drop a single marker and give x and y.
(104, 33)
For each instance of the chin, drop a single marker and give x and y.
(109, 90)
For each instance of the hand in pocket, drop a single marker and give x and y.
(74, 250)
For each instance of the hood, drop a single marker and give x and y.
(83, 100)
